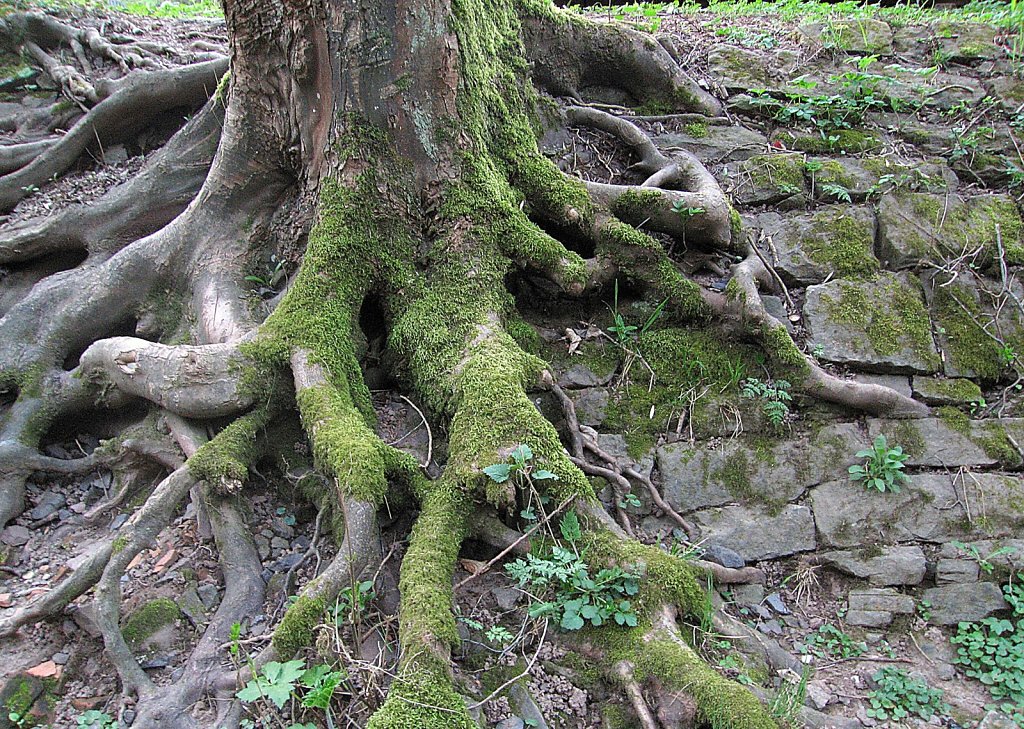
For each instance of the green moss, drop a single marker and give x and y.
(721, 703)
(968, 347)
(956, 419)
(148, 619)
(993, 439)
(889, 312)
(970, 223)
(119, 543)
(524, 335)
(666, 580)
(295, 631)
(681, 359)
(734, 474)
(697, 130)
(637, 204)
(735, 224)
(226, 458)
(953, 390)
(908, 436)
(779, 171)
(846, 140)
(840, 242)
(783, 353)
(833, 172)
(422, 693)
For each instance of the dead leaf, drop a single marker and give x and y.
(574, 340)
(47, 669)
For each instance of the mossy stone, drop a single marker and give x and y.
(879, 325)
(144, 622)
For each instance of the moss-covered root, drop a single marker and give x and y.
(225, 459)
(570, 52)
(358, 553)
(643, 259)
(658, 654)
(681, 181)
(422, 695)
(742, 305)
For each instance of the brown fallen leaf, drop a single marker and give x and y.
(46, 669)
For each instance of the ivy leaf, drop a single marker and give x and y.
(499, 472)
(522, 453)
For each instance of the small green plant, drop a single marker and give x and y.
(882, 469)
(831, 642)
(499, 634)
(566, 590)
(837, 192)
(274, 276)
(686, 212)
(626, 333)
(280, 683)
(897, 696)
(789, 700)
(774, 397)
(275, 683)
(735, 668)
(984, 563)
(629, 500)
(352, 602)
(95, 720)
(519, 465)
(19, 720)
(992, 650)
(924, 610)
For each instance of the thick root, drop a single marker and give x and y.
(572, 55)
(140, 100)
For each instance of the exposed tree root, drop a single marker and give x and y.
(571, 55)
(140, 100)
(191, 381)
(143, 205)
(680, 181)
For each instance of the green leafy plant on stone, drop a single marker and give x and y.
(898, 696)
(774, 398)
(95, 719)
(835, 191)
(992, 650)
(828, 641)
(883, 466)
(984, 563)
(565, 588)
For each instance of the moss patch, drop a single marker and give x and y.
(148, 619)
(840, 242)
(889, 312)
(681, 359)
